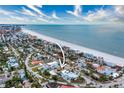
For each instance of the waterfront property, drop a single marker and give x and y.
(31, 61)
(12, 62)
(68, 75)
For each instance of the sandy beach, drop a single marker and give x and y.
(107, 57)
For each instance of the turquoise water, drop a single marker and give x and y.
(105, 38)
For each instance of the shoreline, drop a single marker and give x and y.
(107, 57)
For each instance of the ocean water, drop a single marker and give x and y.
(105, 38)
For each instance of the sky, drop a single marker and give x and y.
(61, 14)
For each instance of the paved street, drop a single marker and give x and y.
(88, 79)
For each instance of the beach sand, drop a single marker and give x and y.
(107, 57)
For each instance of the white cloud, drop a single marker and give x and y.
(114, 14)
(5, 12)
(77, 11)
(34, 8)
(119, 9)
(40, 14)
(17, 18)
(97, 15)
(8, 15)
(27, 12)
(54, 15)
(34, 14)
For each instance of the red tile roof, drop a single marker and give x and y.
(101, 68)
(35, 62)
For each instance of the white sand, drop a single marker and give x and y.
(107, 57)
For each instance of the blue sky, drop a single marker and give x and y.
(61, 14)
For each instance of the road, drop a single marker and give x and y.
(88, 79)
(30, 69)
(26, 63)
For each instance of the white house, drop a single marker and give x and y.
(12, 62)
(67, 75)
(52, 72)
(53, 65)
(22, 74)
(6, 48)
(115, 75)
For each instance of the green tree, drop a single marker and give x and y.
(103, 78)
(35, 85)
(13, 83)
(55, 77)
(46, 73)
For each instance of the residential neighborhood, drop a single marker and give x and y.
(27, 61)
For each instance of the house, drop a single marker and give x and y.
(21, 49)
(96, 65)
(86, 70)
(36, 62)
(115, 75)
(95, 75)
(12, 62)
(30, 49)
(52, 72)
(39, 55)
(67, 75)
(24, 79)
(107, 71)
(32, 37)
(6, 48)
(3, 79)
(53, 65)
(22, 74)
(27, 84)
(81, 63)
(44, 66)
(90, 56)
(101, 68)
